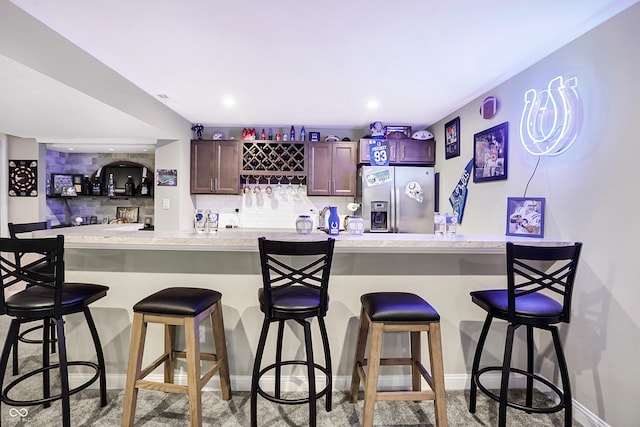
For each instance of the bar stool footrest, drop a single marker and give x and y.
(275, 399)
(7, 389)
(511, 404)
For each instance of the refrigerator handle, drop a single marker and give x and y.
(396, 209)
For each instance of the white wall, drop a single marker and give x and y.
(591, 197)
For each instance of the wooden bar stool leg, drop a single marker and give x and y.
(359, 357)
(138, 334)
(437, 373)
(217, 326)
(373, 368)
(416, 357)
(169, 350)
(192, 338)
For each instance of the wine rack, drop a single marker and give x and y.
(263, 158)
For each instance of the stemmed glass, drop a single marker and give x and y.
(257, 188)
(246, 189)
(268, 189)
(301, 189)
(290, 189)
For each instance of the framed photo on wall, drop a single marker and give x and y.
(452, 138)
(525, 216)
(490, 149)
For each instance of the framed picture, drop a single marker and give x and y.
(490, 153)
(23, 178)
(128, 213)
(166, 177)
(452, 138)
(525, 216)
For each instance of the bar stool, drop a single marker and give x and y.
(294, 290)
(47, 298)
(173, 307)
(14, 231)
(532, 273)
(398, 312)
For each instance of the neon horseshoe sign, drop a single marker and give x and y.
(551, 117)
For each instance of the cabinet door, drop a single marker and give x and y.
(226, 179)
(344, 163)
(319, 176)
(202, 166)
(416, 152)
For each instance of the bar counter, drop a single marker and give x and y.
(134, 264)
(131, 237)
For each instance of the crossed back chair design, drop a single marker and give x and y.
(533, 273)
(14, 231)
(47, 298)
(295, 277)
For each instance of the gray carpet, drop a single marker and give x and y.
(160, 409)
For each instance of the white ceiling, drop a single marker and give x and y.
(284, 62)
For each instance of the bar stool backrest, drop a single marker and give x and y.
(26, 227)
(310, 267)
(545, 269)
(45, 266)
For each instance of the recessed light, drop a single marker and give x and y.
(163, 96)
(112, 149)
(72, 149)
(229, 101)
(372, 104)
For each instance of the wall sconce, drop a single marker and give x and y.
(551, 117)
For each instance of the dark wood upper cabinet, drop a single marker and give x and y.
(404, 152)
(332, 169)
(215, 167)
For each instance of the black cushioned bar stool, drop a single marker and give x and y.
(398, 312)
(295, 278)
(174, 307)
(15, 230)
(533, 273)
(47, 298)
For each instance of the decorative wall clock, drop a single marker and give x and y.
(23, 178)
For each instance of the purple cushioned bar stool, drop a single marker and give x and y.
(173, 307)
(398, 312)
(533, 272)
(295, 277)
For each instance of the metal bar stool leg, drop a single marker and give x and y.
(310, 373)
(64, 372)
(327, 360)
(564, 375)
(279, 359)
(99, 354)
(504, 383)
(476, 364)
(256, 372)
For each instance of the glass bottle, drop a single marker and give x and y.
(128, 186)
(86, 186)
(111, 189)
(97, 186)
(144, 187)
(293, 133)
(303, 134)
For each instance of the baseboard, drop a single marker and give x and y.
(581, 414)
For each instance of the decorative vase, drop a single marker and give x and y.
(334, 221)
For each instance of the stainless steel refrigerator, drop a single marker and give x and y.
(396, 199)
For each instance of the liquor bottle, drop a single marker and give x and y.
(293, 133)
(96, 187)
(128, 186)
(144, 187)
(262, 135)
(270, 134)
(86, 186)
(303, 134)
(278, 136)
(111, 189)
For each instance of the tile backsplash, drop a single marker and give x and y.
(276, 210)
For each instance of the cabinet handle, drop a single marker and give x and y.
(333, 189)
(211, 184)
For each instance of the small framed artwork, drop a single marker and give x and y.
(23, 178)
(525, 216)
(128, 213)
(490, 153)
(166, 177)
(452, 138)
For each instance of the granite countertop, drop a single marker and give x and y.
(130, 237)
